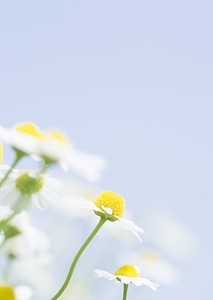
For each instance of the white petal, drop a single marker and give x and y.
(23, 292)
(104, 274)
(108, 210)
(132, 227)
(150, 284)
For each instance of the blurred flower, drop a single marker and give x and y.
(110, 205)
(154, 266)
(53, 146)
(127, 274)
(22, 137)
(29, 240)
(171, 236)
(22, 187)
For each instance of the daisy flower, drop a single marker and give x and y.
(156, 267)
(22, 187)
(56, 147)
(27, 240)
(52, 146)
(22, 137)
(127, 274)
(20, 292)
(110, 206)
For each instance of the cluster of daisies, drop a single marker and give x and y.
(21, 189)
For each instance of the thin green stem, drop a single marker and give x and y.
(18, 157)
(125, 291)
(9, 218)
(5, 222)
(81, 250)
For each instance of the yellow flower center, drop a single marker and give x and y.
(58, 136)
(7, 293)
(111, 204)
(1, 152)
(29, 185)
(127, 270)
(30, 129)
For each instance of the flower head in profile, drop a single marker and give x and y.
(52, 146)
(23, 239)
(57, 147)
(22, 137)
(127, 274)
(155, 266)
(29, 186)
(111, 206)
(21, 292)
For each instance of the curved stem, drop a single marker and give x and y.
(125, 291)
(17, 159)
(72, 267)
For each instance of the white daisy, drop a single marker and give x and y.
(23, 137)
(110, 205)
(20, 292)
(127, 274)
(53, 146)
(28, 241)
(56, 147)
(157, 267)
(25, 186)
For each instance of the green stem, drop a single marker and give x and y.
(7, 220)
(19, 155)
(125, 291)
(72, 267)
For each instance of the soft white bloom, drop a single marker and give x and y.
(26, 140)
(22, 186)
(29, 242)
(172, 236)
(52, 146)
(110, 205)
(127, 274)
(154, 266)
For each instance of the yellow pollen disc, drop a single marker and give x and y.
(1, 152)
(111, 200)
(127, 270)
(7, 293)
(30, 129)
(58, 136)
(26, 184)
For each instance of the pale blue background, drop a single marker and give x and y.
(131, 80)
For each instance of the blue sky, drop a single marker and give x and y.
(131, 80)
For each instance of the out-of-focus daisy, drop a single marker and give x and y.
(53, 146)
(172, 236)
(22, 137)
(29, 241)
(21, 188)
(110, 206)
(127, 274)
(20, 292)
(154, 266)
